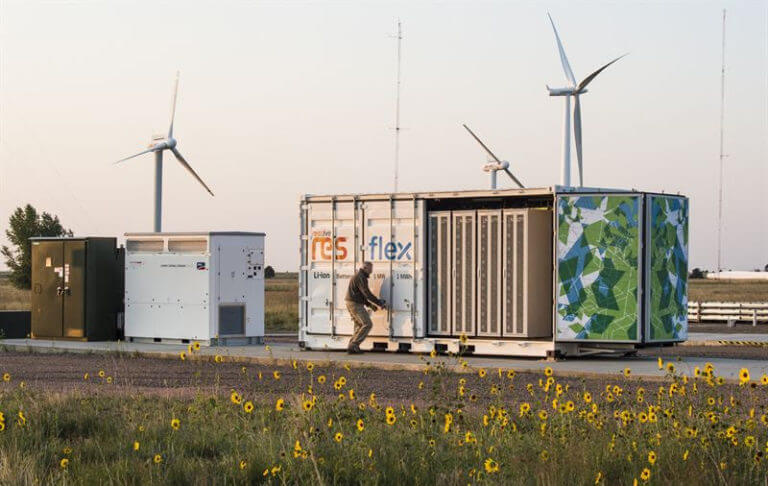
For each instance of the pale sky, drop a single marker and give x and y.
(279, 99)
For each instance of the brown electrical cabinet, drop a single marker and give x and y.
(77, 288)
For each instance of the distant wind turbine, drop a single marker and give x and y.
(574, 90)
(494, 163)
(158, 145)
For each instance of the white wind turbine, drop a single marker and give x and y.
(574, 90)
(158, 145)
(494, 163)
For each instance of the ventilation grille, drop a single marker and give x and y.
(145, 246)
(187, 246)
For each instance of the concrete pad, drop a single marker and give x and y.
(285, 353)
(711, 336)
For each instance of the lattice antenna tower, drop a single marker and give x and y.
(722, 157)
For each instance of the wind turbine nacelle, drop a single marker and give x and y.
(493, 166)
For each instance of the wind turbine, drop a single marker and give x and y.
(158, 145)
(492, 166)
(574, 90)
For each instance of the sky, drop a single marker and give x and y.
(280, 99)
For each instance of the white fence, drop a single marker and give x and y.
(728, 311)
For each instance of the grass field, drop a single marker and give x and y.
(136, 421)
(728, 291)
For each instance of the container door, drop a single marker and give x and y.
(464, 251)
(666, 287)
(489, 273)
(345, 263)
(47, 287)
(389, 243)
(320, 262)
(599, 239)
(74, 289)
(439, 275)
(514, 273)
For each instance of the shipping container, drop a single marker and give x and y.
(76, 288)
(520, 272)
(205, 287)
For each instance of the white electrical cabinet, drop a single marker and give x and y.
(206, 287)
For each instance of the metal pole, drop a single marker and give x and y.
(566, 169)
(397, 106)
(493, 179)
(720, 185)
(158, 190)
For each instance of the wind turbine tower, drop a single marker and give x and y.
(574, 90)
(158, 145)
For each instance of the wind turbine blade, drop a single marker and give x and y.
(577, 137)
(563, 59)
(482, 144)
(519, 184)
(186, 165)
(173, 107)
(132, 156)
(583, 84)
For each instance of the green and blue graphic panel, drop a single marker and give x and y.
(668, 269)
(598, 245)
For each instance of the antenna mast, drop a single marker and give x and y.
(722, 156)
(397, 104)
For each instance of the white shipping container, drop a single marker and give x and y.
(519, 272)
(206, 287)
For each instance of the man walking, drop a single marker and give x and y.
(359, 296)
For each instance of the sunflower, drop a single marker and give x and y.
(276, 375)
(321, 379)
(218, 358)
(360, 425)
(6, 377)
(342, 380)
(183, 355)
(491, 466)
(764, 379)
(235, 398)
(525, 407)
(280, 404)
(85, 376)
(136, 445)
(481, 372)
(548, 371)
(431, 442)
(310, 366)
(109, 380)
(175, 424)
(389, 411)
(101, 374)
(652, 458)
(543, 415)
(510, 374)
(190, 349)
(196, 346)
(744, 376)
(544, 455)
(627, 372)
(352, 395)
(645, 474)
(307, 405)
(157, 459)
(248, 407)
(749, 441)
(587, 397)
(64, 463)
(243, 465)
(338, 437)
(463, 338)
(391, 419)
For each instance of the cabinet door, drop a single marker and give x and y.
(464, 269)
(73, 291)
(489, 273)
(440, 273)
(47, 285)
(514, 273)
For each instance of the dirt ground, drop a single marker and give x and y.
(64, 373)
(741, 352)
(722, 328)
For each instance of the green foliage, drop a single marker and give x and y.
(24, 224)
(269, 272)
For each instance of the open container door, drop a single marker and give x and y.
(667, 269)
(597, 272)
